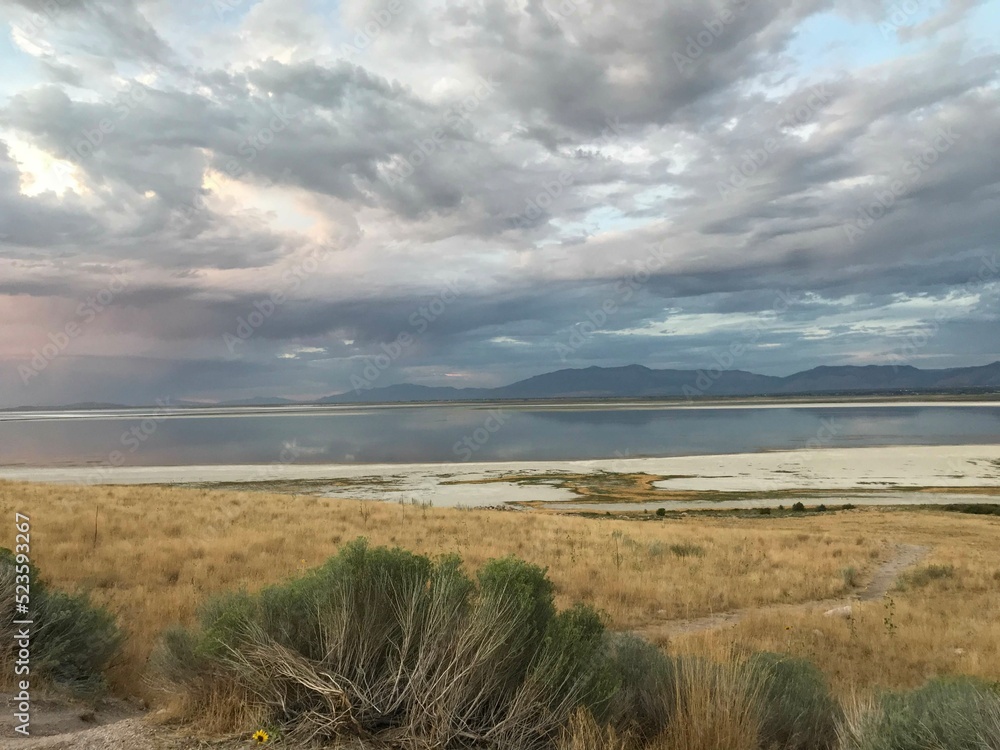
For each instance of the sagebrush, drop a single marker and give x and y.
(73, 642)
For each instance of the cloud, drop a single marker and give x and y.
(700, 167)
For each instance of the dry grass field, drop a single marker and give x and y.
(939, 619)
(152, 554)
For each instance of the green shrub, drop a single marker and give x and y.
(646, 678)
(72, 642)
(821, 507)
(980, 509)
(661, 512)
(798, 712)
(850, 576)
(687, 549)
(962, 714)
(381, 641)
(798, 507)
(922, 576)
(764, 511)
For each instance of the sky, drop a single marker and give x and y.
(223, 199)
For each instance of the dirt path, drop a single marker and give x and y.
(128, 734)
(62, 724)
(904, 556)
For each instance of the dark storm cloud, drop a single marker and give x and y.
(682, 161)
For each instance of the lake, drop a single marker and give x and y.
(449, 433)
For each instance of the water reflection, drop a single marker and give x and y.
(438, 434)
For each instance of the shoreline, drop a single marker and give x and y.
(318, 410)
(871, 470)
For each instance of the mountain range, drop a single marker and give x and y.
(637, 381)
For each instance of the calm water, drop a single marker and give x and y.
(436, 433)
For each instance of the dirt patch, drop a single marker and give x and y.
(906, 556)
(128, 734)
(51, 715)
(58, 724)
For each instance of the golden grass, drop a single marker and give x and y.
(948, 626)
(162, 551)
(583, 733)
(712, 709)
(716, 703)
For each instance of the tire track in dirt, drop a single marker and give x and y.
(905, 556)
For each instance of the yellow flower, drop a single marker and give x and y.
(260, 737)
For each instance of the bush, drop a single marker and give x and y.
(687, 550)
(798, 712)
(821, 507)
(646, 677)
(798, 507)
(764, 511)
(72, 642)
(850, 576)
(661, 512)
(922, 576)
(980, 509)
(382, 642)
(959, 714)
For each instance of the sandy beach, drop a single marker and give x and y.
(875, 475)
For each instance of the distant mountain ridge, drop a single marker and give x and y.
(638, 381)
